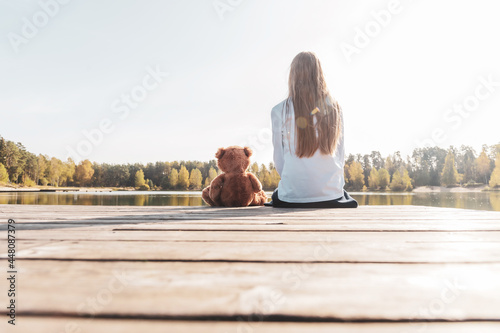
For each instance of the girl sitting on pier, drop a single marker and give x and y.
(308, 142)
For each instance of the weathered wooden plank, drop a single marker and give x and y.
(275, 226)
(202, 217)
(48, 208)
(269, 227)
(308, 291)
(324, 249)
(62, 325)
(81, 215)
(111, 234)
(247, 212)
(447, 226)
(376, 218)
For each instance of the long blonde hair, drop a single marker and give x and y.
(317, 114)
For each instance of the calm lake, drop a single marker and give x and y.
(480, 200)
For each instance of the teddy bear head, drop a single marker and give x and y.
(233, 159)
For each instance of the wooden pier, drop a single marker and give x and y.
(258, 269)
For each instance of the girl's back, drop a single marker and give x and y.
(304, 179)
(308, 141)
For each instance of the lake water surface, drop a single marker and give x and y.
(475, 200)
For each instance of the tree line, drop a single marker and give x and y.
(19, 166)
(432, 166)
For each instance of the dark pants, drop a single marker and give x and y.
(346, 201)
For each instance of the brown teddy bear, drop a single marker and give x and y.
(235, 187)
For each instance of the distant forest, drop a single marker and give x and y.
(432, 166)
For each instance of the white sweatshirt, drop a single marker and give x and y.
(307, 179)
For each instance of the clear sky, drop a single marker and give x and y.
(406, 73)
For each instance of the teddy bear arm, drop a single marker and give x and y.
(256, 185)
(216, 187)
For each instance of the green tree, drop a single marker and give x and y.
(23, 169)
(254, 168)
(156, 172)
(495, 149)
(389, 165)
(264, 177)
(195, 179)
(183, 178)
(117, 175)
(383, 178)
(397, 183)
(367, 167)
(173, 178)
(55, 170)
(483, 166)
(407, 182)
(377, 160)
(11, 156)
(4, 175)
(84, 173)
(30, 168)
(206, 182)
(139, 179)
(68, 172)
(449, 175)
(495, 176)
(466, 164)
(211, 175)
(275, 178)
(28, 182)
(42, 170)
(265, 180)
(98, 176)
(373, 180)
(428, 164)
(356, 176)
(262, 169)
(3, 145)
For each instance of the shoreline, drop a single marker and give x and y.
(6, 189)
(43, 189)
(50, 189)
(458, 189)
(435, 189)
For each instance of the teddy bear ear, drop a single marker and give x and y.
(248, 151)
(220, 152)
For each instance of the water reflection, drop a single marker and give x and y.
(495, 202)
(474, 200)
(480, 200)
